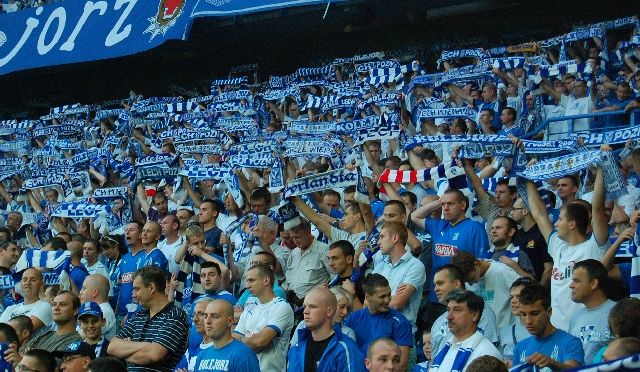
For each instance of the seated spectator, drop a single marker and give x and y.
(266, 322)
(160, 330)
(467, 343)
(91, 321)
(234, 354)
(37, 360)
(379, 320)
(548, 346)
(487, 363)
(321, 344)
(622, 347)
(76, 357)
(24, 329)
(383, 355)
(107, 364)
(38, 310)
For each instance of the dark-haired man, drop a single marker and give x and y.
(569, 243)
(266, 322)
(455, 232)
(548, 346)
(464, 310)
(379, 320)
(590, 322)
(155, 337)
(447, 279)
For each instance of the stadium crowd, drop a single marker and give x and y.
(361, 215)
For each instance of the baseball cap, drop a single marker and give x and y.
(90, 308)
(76, 348)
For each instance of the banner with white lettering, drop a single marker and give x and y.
(78, 31)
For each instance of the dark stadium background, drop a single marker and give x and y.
(281, 41)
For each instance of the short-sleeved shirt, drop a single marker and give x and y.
(559, 346)
(533, 244)
(235, 356)
(467, 235)
(128, 265)
(440, 332)
(212, 239)
(275, 314)
(408, 270)
(339, 234)
(41, 309)
(156, 258)
(168, 328)
(591, 326)
(577, 106)
(564, 258)
(370, 327)
(307, 269)
(493, 287)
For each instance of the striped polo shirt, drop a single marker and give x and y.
(169, 328)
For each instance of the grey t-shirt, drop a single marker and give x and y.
(440, 330)
(591, 326)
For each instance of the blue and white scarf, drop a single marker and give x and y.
(466, 73)
(152, 174)
(462, 355)
(448, 112)
(204, 172)
(319, 182)
(200, 149)
(15, 146)
(76, 210)
(559, 69)
(448, 55)
(573, 163)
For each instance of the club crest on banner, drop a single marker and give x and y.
(165, 18)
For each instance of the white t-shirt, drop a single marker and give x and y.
(170, 250)
(493, 287)
(97, 268)
(482, 347)
(577, 106)
(109, 328)
(41, 309)
(276, 314)
(564, 258)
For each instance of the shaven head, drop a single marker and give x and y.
(319, 308)
(383, 355)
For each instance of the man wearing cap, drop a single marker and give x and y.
(76, 357)
(96, 289)
(91, 322)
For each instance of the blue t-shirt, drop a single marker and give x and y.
(78, 274)
(467, 235)
(391, 324)
(195, 338)
(560, 346)
(156, 258)
(495, 106)
(212, 239)
(128, 265)
(236, 357)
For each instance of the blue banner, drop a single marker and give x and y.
(206, 8)
(78, 31)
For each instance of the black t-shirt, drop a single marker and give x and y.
(358, 285)
(533, 244)
(314, 351)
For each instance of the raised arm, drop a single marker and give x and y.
(599, 221)
(421, 214)
(476, 183)
(539, 211)
(548, 88)
(313, 216)
(142, 198)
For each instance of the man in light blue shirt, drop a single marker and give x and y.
(405, 273)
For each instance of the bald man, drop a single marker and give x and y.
(321, 346)
(153, 255)
(95, 288)
(383, 355)
(38, 310)
(226, 353)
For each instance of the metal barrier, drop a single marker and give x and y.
(570, 119)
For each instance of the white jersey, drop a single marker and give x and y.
(275, 314)
(493, 287)
(564, 258)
